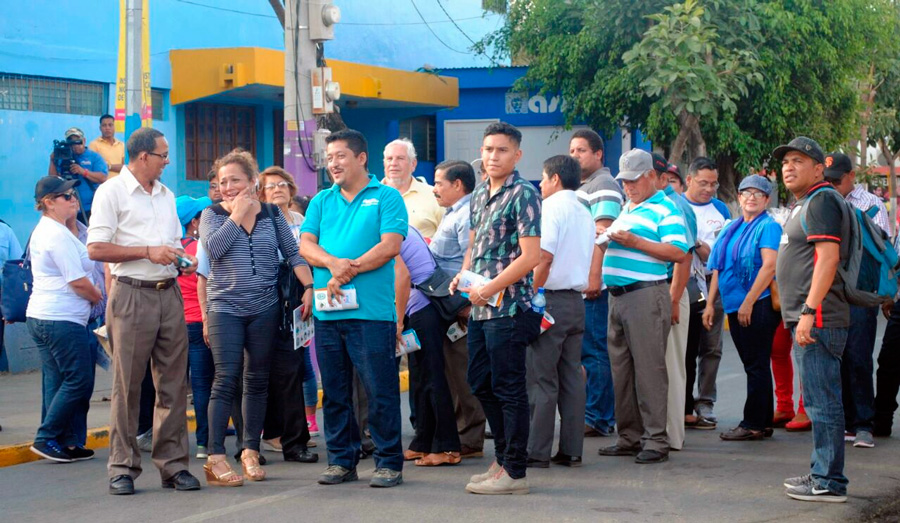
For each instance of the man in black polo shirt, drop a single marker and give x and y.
(814, 307)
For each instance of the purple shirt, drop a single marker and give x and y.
(415, 254)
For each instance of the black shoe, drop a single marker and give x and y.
(303, 456)
(566, 460)
(488, 434)
(121, 485)
(182, 480)
(881, 429)
(51, 450)
(335, 474)
(615, 450)
(768, 432)
(80, 453)
(537, 464)
(651, 456)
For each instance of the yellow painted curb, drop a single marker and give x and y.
(99, 438)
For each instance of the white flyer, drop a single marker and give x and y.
(303, 330)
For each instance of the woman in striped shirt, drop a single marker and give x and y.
(243, 238)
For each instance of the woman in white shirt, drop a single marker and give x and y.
(57, 315)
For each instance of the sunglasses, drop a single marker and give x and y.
(66, 196)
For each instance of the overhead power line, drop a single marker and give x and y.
(445, 44)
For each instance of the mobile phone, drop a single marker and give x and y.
(183, 262)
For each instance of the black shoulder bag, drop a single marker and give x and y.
(437, 288)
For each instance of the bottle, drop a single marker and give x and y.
(539, 302)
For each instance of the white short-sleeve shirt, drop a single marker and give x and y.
(125, 214)
(567, 232)
(57, 259)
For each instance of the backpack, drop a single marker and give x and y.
(869, 263)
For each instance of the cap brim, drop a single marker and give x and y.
(782, 150)
(835, 173)
(629, 175)
(68, 184)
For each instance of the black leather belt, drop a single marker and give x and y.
(158, 285)
(618, 291)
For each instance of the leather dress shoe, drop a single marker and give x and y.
(566, 460)
(651, 456)
(182, 480)
(303, 456)
(469, 452)
(537, 464)
(615, 450)
(121, 485)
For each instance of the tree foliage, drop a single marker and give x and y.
(742, 75)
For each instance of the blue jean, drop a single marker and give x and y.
(67, 379)
(600, 409)
(857, 369)
(820, 374)
(497, 376)
(201, 370)
(368, 347)
(310, 385)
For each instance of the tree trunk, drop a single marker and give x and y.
(688, 134)
(727, 178)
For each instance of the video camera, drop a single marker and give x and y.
(64, 158)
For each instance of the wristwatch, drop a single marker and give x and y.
(806, 309)
(307, 287)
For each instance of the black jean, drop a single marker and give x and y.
(435, 418)
(240, 345)
(286, 410)
(695, 329)
(887, 378)
(754, 346)
(857, 369)
(497, 352)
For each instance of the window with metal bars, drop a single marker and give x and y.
(52, 95)
(422, 132)
(157, 99)
(211, 131)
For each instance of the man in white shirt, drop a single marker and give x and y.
(399, 163)
(134, 227)
(553, 362)
(704, 345)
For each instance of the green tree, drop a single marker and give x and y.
(752, 73)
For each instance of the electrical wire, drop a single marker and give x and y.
(226, 9)
(445, 44)
(454, 22)
(298, 106)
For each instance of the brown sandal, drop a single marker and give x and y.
(252, 469)
(438, 459)
(410, 455)
(229, 478)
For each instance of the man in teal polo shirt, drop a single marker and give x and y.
(351, 235)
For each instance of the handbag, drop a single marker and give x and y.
(290, 290)
(16, 289)
(437, 288)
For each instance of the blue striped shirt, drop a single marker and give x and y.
(656, 219)
(243, 276)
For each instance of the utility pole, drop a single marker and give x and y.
(300, 66)
(133, 66)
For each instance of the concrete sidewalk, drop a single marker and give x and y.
(20, 413)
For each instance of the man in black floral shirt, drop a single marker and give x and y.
(504, 247)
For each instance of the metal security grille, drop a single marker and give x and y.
(422, 132)
(211, 131)
(52, 95)
(157, 98)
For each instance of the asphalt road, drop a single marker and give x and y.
(710, 480)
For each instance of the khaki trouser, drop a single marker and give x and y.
(639, 324)
(675, 368)
(147, 324)
(470, 418)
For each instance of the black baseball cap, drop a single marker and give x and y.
(52, 185)
(837, 165)
(660, 165)
(802, 145)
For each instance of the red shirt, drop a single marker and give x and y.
(188, 284)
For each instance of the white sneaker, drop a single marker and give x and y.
(201, 452)
(478, 478)
(499, 483)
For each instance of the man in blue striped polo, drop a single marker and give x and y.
(647, 235)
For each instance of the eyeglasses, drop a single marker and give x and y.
(164, 156)
(280, 185)
(66, 195)
(756, 195)
(707, 185)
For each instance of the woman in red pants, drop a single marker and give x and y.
(783, 372)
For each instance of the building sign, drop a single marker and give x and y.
(521, 103)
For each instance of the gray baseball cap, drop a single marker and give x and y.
(633, 164)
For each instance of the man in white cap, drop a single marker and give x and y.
(647, 234)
